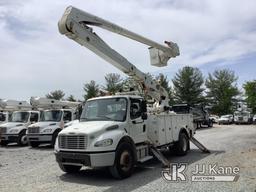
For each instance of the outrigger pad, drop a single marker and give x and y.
(199, 145)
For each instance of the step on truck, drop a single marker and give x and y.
(55, 115)
(120, 131)
(14, 131)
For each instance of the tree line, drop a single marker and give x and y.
(218, 91)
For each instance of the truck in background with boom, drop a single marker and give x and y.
(119, 131)
(22, 116)
(54, 116)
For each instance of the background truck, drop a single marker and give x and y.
(15, 129)
(55, 115)
(243, 114)
(200, 114)
(119, 131)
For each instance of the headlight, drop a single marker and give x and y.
(14, 130)
(103, 143)
(47, 130)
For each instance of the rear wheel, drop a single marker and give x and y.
(210, 123)
(182, 146)
(22, 138)
(70, 168)
(124, 161)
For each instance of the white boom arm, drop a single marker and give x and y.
(12, 105)
(75, 25)
(39, 102)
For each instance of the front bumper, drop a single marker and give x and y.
(9, 137)
(41, 138)
(93, 159)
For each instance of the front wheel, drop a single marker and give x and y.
(124, 162)
(34, 144)
(70, 168)
(4, 143)
(22, 138)
(182, 146)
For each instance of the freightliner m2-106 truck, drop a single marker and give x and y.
(119, 131)
(55, 115)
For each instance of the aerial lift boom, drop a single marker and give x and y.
(75, 25)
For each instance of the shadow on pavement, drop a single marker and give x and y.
(143, 173)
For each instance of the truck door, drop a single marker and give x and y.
(137, 124)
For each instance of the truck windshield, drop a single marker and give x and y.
(19, 117)
(113, 109)
(2, 117)
(52, 115)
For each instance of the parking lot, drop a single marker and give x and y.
(26, 169)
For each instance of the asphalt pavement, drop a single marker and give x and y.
(27, 169)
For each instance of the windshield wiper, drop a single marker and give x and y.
(106, 117)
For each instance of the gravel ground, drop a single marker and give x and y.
(26, 169)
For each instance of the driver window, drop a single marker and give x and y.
(34, 117)
(67, 116)
(135, 110)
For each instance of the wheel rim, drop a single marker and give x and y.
(24, 139)
(126, 161)
(184, 144)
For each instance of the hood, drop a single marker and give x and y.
(89, 127)
(44, 124)
(12, 124)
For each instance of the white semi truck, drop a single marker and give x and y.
(15, 129)
(55, 115)
(119, 131)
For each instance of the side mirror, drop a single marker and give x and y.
(144, 116)
(143, 106)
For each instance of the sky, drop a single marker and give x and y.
(37, 59)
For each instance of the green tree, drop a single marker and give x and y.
(71, 98)
(221, 91)
(114, 83)
(57, 94)
(91, 90)
(250, 93)
(188, 86)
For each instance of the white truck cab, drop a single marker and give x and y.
(117, 132)
(15, 129)
(51, 123)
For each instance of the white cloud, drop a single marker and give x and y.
(36, 59)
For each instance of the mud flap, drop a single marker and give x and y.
(159, 156)
(199, 145)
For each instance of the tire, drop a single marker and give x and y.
(4, 143)
(124, 161)
(34, 144)
(54, 137)
(182, 146)
(70, 168)
(22, 138)
(210, 123)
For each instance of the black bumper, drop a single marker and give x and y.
(11, 138)
(71, 157)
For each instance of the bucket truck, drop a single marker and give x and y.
(55, 115)
(119, 131)
(22, 116)
(243, 114)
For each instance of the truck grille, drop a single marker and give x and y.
(33, 129)
(240, 118)
(73, 141)
(3, 129)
